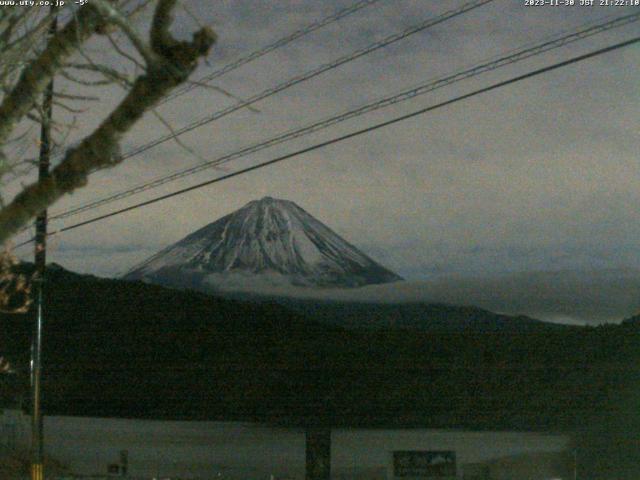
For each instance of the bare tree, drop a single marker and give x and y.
(29, 60)
(31, 55)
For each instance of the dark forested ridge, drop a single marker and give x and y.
(419, 316)
(115, 348)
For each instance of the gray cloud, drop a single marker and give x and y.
(579, 297)
(538, 176)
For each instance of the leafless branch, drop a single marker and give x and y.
(37, 75)
(124, 54)
(14, 288)
(180, 143)
(113, 15)
(225, 92)
(110, 74)
(68, 96)
(172, 63)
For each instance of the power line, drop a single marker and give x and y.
(312, 27)
(356, 133)
(310, 74)
(516, 56)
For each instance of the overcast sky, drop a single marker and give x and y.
(524, 199)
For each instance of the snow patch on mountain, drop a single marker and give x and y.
(266, 242)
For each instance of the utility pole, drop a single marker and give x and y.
(318, 453)
(37, 447)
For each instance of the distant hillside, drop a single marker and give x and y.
(425, 317)
(634, 320)
(116, 348)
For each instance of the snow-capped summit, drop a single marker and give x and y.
(268, 242)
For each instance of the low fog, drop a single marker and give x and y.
(578, 297)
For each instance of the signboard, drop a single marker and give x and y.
(408, 465)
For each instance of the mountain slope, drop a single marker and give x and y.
(417, 316)
(130, 349)
(267, 242)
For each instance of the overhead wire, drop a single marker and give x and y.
(306, 30)
(431, 85)
(385, 42)
(393, 38)
(312, 27)
(356, 133)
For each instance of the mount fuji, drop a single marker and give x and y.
(268, 242)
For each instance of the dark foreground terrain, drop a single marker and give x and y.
(115, 348)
